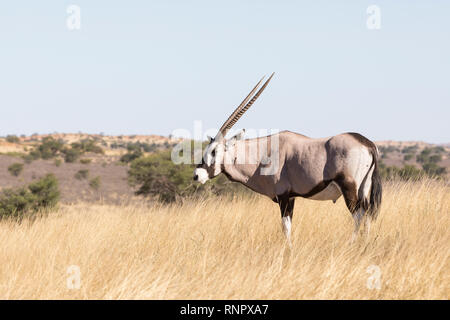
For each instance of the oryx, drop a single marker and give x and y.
(318, 169)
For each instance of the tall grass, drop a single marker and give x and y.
(233, 249)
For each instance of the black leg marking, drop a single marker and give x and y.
(350, 193)
(286, 205)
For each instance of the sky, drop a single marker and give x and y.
(152, 67)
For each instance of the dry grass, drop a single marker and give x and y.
(232, 249)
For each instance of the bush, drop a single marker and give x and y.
(156, 175)
(14, 203)
(28, 159)
(87, 145)
(435, 158)
(408, 172)
(85, 161)
(49, 148)
(130, 156)
(15, 169)
(12, 139)
(433, 170)
(132, 147)
(71, 155)
(424, 156)
(439, 149)
(58, 162)
(410, 149)
(82, 174)
(388, 149)
(33, 155)
(46, 191)
(149, 147)
(429, 158)
(40, 195)
(95, 183)
(408, 156)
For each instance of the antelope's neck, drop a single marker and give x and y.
(231, 169)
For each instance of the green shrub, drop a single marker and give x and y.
(71, 155)
(136, 146)
(156, 175)
(408, 156)
(39, 195)
(95, 183)
(130, 156)
(82, 174)
(149, 147)
(87, 145)
(410, 149)
(388, 149)
(424, 155)
(435, 158)
(15, 169)
(58, 162)
(429, 158)
(132, 147)
(12, 139)
(432, 169)
(27, 158)
(408, 172)
(85, 161)
(33, 155)
(46, 191)
(50, 147)
(14, 203)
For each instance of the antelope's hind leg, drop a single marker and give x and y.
(354, 205)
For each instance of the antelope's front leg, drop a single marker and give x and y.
(287, 210)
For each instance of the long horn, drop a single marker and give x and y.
(243, 107)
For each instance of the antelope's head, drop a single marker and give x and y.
(213, 157)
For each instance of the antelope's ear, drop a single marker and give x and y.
(210, 138)
(238, 136)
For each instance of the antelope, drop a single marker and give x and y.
(287, 165)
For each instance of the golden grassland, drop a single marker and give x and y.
(233, 249)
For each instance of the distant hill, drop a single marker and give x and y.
(399, 153)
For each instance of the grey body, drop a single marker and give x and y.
(317, 169)
(306, 167)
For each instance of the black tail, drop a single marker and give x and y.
(372, 205)
(376, 189)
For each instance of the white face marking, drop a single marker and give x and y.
(202, 175)
(208, 153)
(219, 158)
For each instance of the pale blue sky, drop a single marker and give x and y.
(149, 67)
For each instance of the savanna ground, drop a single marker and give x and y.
(232, 249)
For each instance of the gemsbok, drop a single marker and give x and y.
(286, 165)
